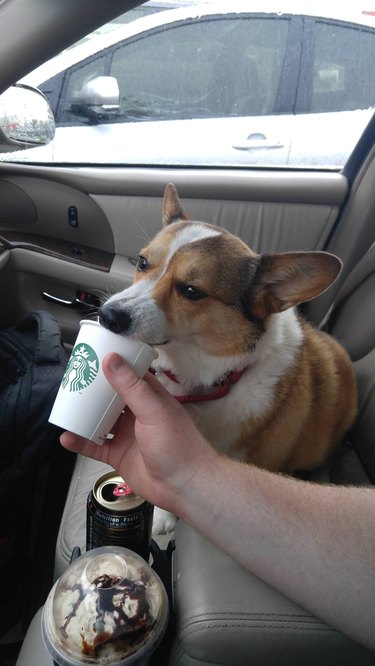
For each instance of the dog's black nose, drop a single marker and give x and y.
(114, 318)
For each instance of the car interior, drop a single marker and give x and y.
(69, 236)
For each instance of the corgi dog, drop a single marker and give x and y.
(261, 384)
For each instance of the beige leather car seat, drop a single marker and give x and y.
(351, 236)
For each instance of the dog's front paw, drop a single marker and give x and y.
(163, 522)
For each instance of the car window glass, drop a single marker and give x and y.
(212, 68)
(226, 88)
(344, 78)
(74, 81)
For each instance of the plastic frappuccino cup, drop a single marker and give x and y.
(86, 403)
(109, 608)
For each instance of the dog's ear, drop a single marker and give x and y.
(286, 279)
(172, 208)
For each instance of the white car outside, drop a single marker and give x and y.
(313, 105)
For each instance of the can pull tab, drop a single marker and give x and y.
(122, 489)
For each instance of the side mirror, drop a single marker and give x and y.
(26, 119)
(99, 99)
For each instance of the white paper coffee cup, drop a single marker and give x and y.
(86, 403)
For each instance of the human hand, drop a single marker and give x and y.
(156, 446)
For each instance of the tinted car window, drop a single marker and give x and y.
(212, 68)
(75, 79)
(344, 76)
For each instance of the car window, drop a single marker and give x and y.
(212, 68)
(222, 86)
(344, 78)
(73, 84)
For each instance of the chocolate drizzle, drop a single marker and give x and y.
(72, 613)
(115, 598)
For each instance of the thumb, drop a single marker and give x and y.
(144, 398)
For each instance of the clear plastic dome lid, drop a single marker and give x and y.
(108, 608)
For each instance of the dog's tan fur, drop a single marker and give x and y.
(307, 399)
(315, 406)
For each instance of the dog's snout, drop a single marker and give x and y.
(113, 318)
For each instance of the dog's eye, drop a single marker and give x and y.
(190, 292)
(142, 264)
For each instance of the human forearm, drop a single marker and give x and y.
(316, 544)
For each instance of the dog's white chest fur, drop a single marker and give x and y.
(220, 420)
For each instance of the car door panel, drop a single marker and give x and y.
(265, 226)
(27, 275)
(48, 213)
(118, 210)
(238, 141)
(312, 133)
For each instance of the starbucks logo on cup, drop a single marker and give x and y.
(82, 368)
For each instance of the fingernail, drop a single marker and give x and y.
(116, 363)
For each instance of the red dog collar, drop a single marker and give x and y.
(222, 389)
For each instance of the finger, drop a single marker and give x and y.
(146, 398)
(85, 447)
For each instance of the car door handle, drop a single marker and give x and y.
(83, 300)
(258, 140)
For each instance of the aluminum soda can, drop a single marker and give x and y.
(117, 516)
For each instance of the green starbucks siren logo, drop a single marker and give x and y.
(82, 368)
